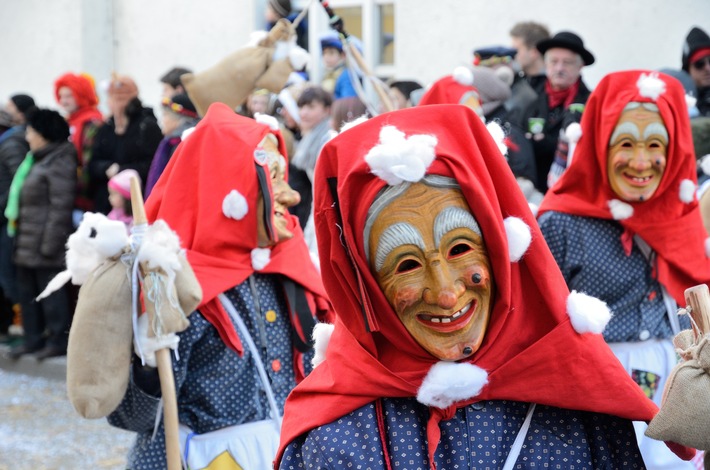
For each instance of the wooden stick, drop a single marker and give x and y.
(698, 298)
(162, 357)
(382, 94)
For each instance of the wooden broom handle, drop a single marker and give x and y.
(137, 206)
(382, 94)
(698, 298)
(162, 358)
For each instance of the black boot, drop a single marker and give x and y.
(21, 350)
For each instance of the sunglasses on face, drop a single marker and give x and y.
(702, 63)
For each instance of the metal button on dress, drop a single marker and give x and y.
(270, 316)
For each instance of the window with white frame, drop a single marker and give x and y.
(372, 21)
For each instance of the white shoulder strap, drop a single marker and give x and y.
(519, 440)
(227, 304)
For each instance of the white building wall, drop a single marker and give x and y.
(435, 37)
(41, 39)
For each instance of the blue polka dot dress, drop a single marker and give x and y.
(479, 436)
(592, 260)
(216, 387)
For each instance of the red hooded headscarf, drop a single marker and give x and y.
(531, 352)
(82, 87)
(672, 227)
(451, 89)
(219, 157)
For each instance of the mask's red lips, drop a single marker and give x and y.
(450, 323)
(638, 181)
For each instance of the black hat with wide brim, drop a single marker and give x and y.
(567, 40)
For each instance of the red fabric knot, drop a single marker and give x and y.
(564, 97)
(627, 241)
(433, 432)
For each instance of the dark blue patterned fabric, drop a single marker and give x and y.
(592, 259)
(479, 436)
(216, 387)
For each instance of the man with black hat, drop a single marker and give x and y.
(696, 61)
(560, 103)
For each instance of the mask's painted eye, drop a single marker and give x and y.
(459, 249)
(626, 144)
(407, 265)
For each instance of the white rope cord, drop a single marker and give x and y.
(275, 415)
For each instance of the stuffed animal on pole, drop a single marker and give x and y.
(267, 63)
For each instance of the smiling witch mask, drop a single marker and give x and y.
(283, 196)
(429, 258)
(637, 152)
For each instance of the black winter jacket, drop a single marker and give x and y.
(13, 150)
(46, 203)
(553, 121)
(133, 149)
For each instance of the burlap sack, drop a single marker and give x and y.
(167, 305)
(229, 81)
(684, 417)
(101, 336)
(232, 79)
(100, 342)
(188, 289)
(276, 76)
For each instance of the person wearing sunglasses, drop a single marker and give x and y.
(696, 61)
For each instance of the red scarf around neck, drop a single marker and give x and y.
(564, 97)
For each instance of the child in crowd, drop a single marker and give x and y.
(337, 79)
(258, 101)
(119, 196)
(179, 115)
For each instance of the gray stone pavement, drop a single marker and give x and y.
(39, 429)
